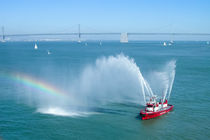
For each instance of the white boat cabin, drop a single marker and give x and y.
(153, 105)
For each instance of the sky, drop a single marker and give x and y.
(55, 16)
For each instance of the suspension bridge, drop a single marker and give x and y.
(123, 37)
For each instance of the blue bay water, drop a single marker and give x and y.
(20, 118)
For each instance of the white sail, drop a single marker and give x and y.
(164, 44)
(35, 47)
(48, 52)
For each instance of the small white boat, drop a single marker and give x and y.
(164, 44)
(35, 46)
(48, 52)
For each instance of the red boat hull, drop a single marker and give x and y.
(148, 115)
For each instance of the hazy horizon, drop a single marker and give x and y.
(36, 16)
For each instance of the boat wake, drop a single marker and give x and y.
(57, 111)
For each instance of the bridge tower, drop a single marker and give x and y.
(124, 38)
(3, 36)
(79, 34)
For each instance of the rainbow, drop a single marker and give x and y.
(34, 83)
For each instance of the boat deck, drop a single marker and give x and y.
(160, 110)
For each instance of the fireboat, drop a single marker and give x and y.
(154, 108)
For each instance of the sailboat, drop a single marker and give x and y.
(35, 46)
(48, 52)
(164, 44)
(171, 43)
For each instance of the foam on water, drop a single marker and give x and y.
(57, 111)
